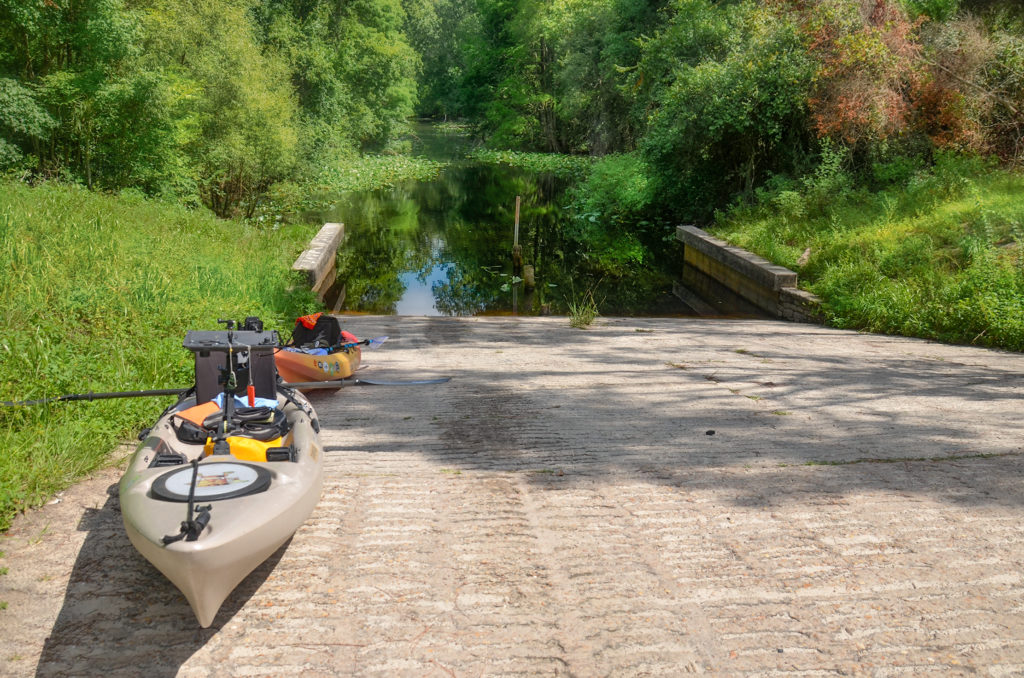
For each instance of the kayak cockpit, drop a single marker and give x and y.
(227, 474)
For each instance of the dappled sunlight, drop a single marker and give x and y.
(676, 402)
(673, 488)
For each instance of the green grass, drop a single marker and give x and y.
(940, 258)
(96, 293)
(582, 312)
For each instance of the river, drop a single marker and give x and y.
(444, 247)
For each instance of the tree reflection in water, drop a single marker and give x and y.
(444, 247)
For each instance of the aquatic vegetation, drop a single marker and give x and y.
(370, 172)
(566, 166)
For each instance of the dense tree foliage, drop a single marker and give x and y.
(216, 100)
(210, 100)
(442, 33)
(717, 98)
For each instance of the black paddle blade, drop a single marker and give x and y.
(338, 383)
(415, 382)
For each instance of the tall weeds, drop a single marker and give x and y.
(96, 294)
(940, 256)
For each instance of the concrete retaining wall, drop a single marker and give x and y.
(709, 262)
(317, 262)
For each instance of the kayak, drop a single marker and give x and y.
(297, 365)
(226, 475)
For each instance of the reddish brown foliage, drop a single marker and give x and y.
(942, 115)
(874, 81)
(869, 68)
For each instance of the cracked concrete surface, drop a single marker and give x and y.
(644, 497)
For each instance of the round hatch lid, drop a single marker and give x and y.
(216, 480)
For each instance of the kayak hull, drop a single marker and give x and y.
(243, 531)
(297, 367)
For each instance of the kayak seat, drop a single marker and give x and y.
(318, 330)
(251, 354)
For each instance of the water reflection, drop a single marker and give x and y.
(444, 247)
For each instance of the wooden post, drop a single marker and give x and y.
(529, 281)
(517, 251)
(515, 239)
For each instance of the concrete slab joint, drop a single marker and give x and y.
(769, 286)
(317, 261)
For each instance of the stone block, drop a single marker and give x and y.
(770, 287)
(317, 261)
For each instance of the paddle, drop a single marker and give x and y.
(97, 396)
(368, 343)
(337, 383)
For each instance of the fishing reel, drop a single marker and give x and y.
(250, 324)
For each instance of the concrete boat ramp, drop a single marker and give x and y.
(645, 497)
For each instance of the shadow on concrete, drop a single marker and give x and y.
(794, 410)
(117, 603)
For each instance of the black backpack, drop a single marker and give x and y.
(326, 333)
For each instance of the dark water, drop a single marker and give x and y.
(444, 247)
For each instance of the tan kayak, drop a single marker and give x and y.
(207, 501)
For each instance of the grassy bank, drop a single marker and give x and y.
(937, 256)
(96, 294)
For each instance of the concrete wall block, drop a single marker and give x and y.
(801, 305)
(710, 261)
(722, 299)
(763, 297)
(758, 269)
(317, 261)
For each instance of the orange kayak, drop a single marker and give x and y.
(296, 366)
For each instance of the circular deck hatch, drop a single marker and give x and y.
(216, 480)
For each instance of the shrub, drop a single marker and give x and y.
(938, 10)
(731, 114)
